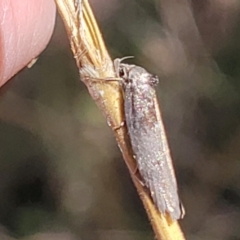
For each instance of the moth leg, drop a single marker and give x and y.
(102, 80)
(136, 174)
(182, 210)
(116, 128)
(138, 177)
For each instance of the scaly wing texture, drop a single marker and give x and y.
(151, 149)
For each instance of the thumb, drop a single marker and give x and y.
(25, 29)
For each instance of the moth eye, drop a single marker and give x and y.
(121, 72)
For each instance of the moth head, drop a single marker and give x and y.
(130, 73)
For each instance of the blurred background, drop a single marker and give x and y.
(62, 175)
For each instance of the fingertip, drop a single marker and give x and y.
(26, 27)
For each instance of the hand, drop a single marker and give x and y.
(26, 27)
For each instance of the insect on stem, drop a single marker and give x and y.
(148, 137)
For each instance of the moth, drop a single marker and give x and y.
(148, 137)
